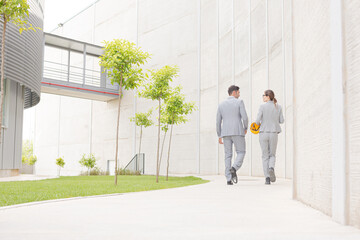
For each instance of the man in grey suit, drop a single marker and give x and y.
(231, 127)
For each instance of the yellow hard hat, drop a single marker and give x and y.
(254, 128)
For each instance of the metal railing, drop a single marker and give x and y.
(137, 163)
(73, 74)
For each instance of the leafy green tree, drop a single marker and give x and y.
(142, 120)
(158, 89)
(175, 112)
(88, 161)
(122, 60)
(28, 156)
(16, 12)
(61, 163)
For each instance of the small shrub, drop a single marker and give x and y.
(122, 171)
(60, 162)
(88, 161)
(94, 172)
(28, 156)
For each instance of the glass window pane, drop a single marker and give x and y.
(55, 63)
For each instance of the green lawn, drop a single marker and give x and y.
(66, 187)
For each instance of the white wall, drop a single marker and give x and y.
(352, 72)
(312, 107)
(211, 55)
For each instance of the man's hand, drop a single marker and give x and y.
(220, 141)
(245, 132)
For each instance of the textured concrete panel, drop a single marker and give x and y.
(352, 53)
(312, 110)
(288, 109)
(121, 14)
(259, 84)
(258, 31)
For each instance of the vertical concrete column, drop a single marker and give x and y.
(294, 190)
(134, 92)
(58, 147)
(233, 42)
(284, 76)
(339, 185)
(199, 86)
(267, 43)
(91, 101)
(90, 125)
(250, 87)
(217, 83)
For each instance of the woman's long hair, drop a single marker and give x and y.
(271, 95)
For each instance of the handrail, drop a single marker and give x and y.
(65, 65)
(137, 163)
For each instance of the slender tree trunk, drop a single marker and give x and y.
(162, 149)
(140, 139)
(117, 133)
(158, 145)
(138, 158)
(168, 157)
(2, 73)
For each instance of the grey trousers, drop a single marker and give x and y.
(240, 148)
(268, 143)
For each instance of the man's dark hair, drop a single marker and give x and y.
(233, 88)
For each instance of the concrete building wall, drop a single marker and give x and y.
(352, 72)
(312, 107)
(210, 42)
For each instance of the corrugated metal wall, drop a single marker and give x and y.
(24, 54)
(11, 137)
(23, 70)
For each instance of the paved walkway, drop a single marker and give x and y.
(249, 211)
(25, 177)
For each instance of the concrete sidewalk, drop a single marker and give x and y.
(249, 210)
(26, 177)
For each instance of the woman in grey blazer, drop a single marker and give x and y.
(269, 118)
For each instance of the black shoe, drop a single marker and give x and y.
(234, 177)
(272, 175)
(229, 183)
(267, 181)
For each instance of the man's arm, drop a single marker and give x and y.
(244, 116)
(218, 122)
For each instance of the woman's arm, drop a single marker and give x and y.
(281, 118)
(259, 116)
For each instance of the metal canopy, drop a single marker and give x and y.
(71, 44)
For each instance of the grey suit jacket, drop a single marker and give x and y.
(270, 117)
(231, 119)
